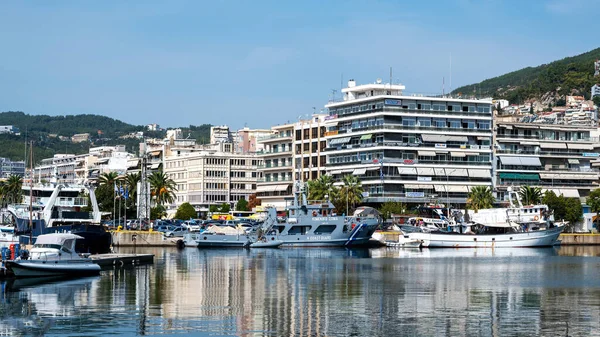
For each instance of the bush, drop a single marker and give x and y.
(186, 211)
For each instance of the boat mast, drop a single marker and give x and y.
(31, 193)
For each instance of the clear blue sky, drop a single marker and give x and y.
(262, 63)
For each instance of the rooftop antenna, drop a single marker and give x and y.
(390, 79)
(450, 72)
(443, 86)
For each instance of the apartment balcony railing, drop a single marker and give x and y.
(421, 146)
(400, 127)
(451, 114)
(413, 161)
(273, 166)
(270, 180)
(272, 153)
(553, 153)
(500, 137)
(275, 137)
(554, 168)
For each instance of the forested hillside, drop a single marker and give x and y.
(548, 82)
(45, 130)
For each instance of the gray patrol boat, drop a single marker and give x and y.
(308, 224)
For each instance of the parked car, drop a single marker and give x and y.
(164, 228)
(176, 231)
(137, 224)
(191, 226)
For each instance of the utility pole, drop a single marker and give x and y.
(143, 189)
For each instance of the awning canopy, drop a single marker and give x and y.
(566, 192)
(407, 170)
(457, 172)
(457, 188)
(418, 186)
(457, 154)
(268, 188)
(337, 141)
(520, 161)
(460, 139)
(519, 176)
(434, 138)
(425, 171)
(473, 173)
(573, 161)
(426, 153)
(133, 163)
(576, 146)
(155, 166)
(359, 171)
(440, 188)
(553, 145)
(439, 171)
(154, 153)
(283, 187)
(369, 136)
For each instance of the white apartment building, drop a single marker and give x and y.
(412, 149)
(210, 175)
(309, 147)
(595, 90)
(550, 156)
(220, 134)
(274, 186)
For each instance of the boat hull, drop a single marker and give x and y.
(35, 268)
(542, 238)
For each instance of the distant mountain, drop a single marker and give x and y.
(547, 83)
(45, 131)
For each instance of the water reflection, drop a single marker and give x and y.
(317, 292)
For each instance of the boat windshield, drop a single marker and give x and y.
(47, 245)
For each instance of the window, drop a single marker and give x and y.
(408, 122)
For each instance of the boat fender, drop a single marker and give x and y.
(180, 244)
(353, 225)
(535, 218)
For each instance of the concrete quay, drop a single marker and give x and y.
(126, 238)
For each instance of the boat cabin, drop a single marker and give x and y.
(55, 246)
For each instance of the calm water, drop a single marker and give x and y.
(321, 292)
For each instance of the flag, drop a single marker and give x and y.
(121, 190)
(126, 193)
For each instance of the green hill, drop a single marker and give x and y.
(547, 82)
(45, 130)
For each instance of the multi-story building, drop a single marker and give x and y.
(246, 140)
(595, 90)
(9, 129)
(274, 187)
(551, 156)
(59, 168)
(309, 145)
(412, 149)
(210, 175)
(9, 168)
(220, 134)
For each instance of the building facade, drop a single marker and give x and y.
(9, 168)
(411, 149)
(274, 186)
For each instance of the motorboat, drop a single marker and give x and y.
(515, 226)
(54, 255)
(7, 236)
(59, 207)
(309, 223)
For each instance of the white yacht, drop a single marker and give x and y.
(54, 255)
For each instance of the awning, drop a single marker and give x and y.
(580, 146)
(573, 161)
(439, 171)
(479, 173)
(586, 176)
(460, 139)
(133, 163)
(457, 154)
(155, 166)
(102, 160)
(569, 193)
(472, 153)
(483, 137)
(418, 186)
(154, 153)
(281, 187)
(425, 171)
(457, 188)
(548, 176)
(359, 171)
(337, 141)
(553, 145)
(457, 172)
(269, 188)
(440, 188)
(520, 161)
(434, 138)
(426, 153)
(369, 136)
(519, 176)
(407, 170)
(335, 172)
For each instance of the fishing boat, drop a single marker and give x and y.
(515, 226)
(54, 255)
(309, 223)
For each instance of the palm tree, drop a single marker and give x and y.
(12, 189)
(323, 186)
(131, 181)
(530, 195)
(109, 178)
(480, 197)
(2, 194)
(162, 188)
(350, 193)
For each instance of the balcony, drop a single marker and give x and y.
(413, 161)
(499, 138)
(274, 153)
(399, 127)
(452, 114)
(275, 166)
(545, 153)
(278, 136)
(420, 146)
(271, 180)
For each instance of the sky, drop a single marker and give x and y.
(263, 63)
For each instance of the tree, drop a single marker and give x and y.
(322, 188)
(242, 205)
(162, 188)
(109, 178)
(480, 197)
(350, 194)
(186, 211)
(573, 211)
(213, 208)
(596, 100)
(225, 208)
(391, 207)
(530, 195)
(158, 212)
(12, 189)
(253, 201)
(594, 201)
(555, 203)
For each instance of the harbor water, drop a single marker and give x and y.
(319, 292)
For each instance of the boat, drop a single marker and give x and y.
(59, 208)
(309, 223)
(266, 244)
(515, 226)
(7, 236)
(53, 255)
(403, 241)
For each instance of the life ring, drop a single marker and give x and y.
(535, 218)
(314, 213)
